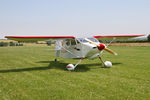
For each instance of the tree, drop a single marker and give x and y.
(148, 37)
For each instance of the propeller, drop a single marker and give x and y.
(102, 46)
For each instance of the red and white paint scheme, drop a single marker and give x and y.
(76, 48)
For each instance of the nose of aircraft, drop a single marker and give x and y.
(101, 46)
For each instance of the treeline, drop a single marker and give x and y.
(4, 44)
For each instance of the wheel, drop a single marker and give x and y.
(70, 67)
(107, 64)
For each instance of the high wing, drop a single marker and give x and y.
(37, 38)
(110, 37)
(44, 38)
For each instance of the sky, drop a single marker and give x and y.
(74, 17)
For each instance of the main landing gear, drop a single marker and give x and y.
(106, 64)
(72, 67)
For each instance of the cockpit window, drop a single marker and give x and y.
(82, 40)
(93, 39)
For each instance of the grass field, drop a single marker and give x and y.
(29, 73)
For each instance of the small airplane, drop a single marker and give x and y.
(76, 48)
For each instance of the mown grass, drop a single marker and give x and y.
(29, 73)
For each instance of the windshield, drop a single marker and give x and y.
(82, 40)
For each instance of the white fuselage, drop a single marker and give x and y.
(79, 49)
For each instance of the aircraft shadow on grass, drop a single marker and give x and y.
(55, 65)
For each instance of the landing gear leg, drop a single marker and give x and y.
(55, 59)
(103, 64)
(78, 62)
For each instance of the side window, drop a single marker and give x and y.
(78, 42)
(68, 43)
(73, 42)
